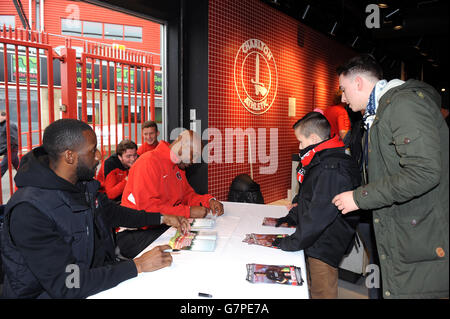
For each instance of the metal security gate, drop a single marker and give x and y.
(19, 49)
(129, 84)
(110, 88)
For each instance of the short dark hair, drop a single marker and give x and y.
(313, 122)
(148, 124)
(62, 135)
(124, 146)
(2, 112)
(364, 63)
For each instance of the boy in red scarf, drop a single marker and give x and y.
(322, 231)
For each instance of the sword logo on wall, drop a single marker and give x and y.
(259, 87)
(255, 76)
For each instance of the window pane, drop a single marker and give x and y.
(92, 29)
(113, 31)
(8, 21)
(133, 33)
(133, 109)
(71, 27)
(89, 112)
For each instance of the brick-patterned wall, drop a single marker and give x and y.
(306, 62)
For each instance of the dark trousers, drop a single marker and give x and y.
(14, 160)
(132, 242)
(367, 235)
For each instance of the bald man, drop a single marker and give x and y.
(157, 181)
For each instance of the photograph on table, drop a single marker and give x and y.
(272, 221)
(265, 240)
(201, 223)
(194, 240)
(274, 274)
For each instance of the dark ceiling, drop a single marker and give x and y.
(423, 22)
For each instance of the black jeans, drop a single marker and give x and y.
(367, 235)
(132, 242)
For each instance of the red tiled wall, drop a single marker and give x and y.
(307, 73)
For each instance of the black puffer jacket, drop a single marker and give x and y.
(322, 231)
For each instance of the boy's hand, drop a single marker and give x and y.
(287, 219)
(291, 205)
(277, 242)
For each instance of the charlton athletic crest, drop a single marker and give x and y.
(255, 76)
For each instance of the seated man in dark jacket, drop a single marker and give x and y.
(321, 231)
(57, 239)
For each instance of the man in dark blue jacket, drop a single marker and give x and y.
(321, 231)
(57, 239)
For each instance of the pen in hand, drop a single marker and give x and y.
(171, 250)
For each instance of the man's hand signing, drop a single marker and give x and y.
(179, 222)
(198, 211)
(216, 207)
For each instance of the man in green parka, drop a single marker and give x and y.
(406, 156)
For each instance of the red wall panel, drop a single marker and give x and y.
(306, 73)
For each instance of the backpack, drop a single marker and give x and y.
(245, 190)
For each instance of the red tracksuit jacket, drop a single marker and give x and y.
(112, 176)
(156, 184)
(145, 147)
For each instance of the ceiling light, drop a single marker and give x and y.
(383, 5)
(417, 46)
(333, 28)
(443, 89)
(397, 23)
(392, 13)
(305, 12)
(354, 42)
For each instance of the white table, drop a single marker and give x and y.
(221, 273)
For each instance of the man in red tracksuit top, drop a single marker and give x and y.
(150, 135)
(157, 181)
(113, 173)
